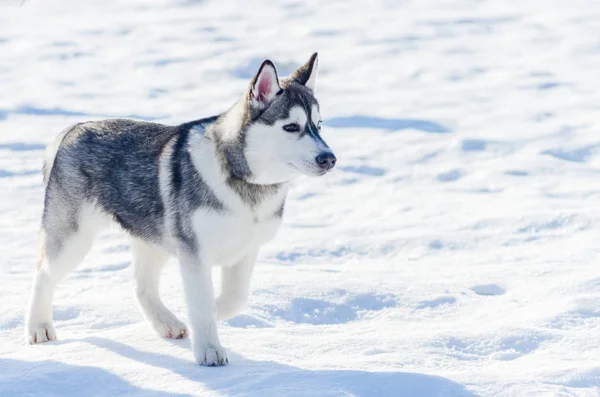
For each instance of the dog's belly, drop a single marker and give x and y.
(224, 240)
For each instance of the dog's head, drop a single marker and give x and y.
(283, 133)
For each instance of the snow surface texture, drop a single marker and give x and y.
(454, 251)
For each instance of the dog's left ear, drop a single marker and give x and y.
(307, 74)
(264, 86)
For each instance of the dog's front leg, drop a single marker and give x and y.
(202, 309)
(235, 287)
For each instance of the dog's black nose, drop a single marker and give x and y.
(326, 160)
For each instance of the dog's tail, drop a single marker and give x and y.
(52, 150)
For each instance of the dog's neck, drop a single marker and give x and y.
(229, 125)
(228, 137)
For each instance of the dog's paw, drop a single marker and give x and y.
(167, 325)
(40, 333)
(173, 329)
(210, 356)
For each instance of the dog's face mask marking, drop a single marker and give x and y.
(283, 139)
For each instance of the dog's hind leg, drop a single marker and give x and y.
(67, 235)
(148, 262)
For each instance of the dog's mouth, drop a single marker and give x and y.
(309, 173)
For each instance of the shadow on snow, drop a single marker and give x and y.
(266, 378)
(51, 378)
(386, 124)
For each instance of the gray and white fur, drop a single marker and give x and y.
(210, 191)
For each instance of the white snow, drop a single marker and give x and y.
(454, 252)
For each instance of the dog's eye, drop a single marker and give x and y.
(291, 127)
(319, 124)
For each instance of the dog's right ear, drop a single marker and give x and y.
(265, 86)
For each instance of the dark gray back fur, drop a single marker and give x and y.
(115, 163)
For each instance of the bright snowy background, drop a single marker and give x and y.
(454, 251)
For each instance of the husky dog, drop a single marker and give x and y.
(210, 191)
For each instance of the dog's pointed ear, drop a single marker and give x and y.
(265, 85)
(307, 73)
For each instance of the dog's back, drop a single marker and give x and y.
(113, 164)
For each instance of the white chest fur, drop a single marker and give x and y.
(224, 238)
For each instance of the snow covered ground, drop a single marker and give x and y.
(454, 252)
